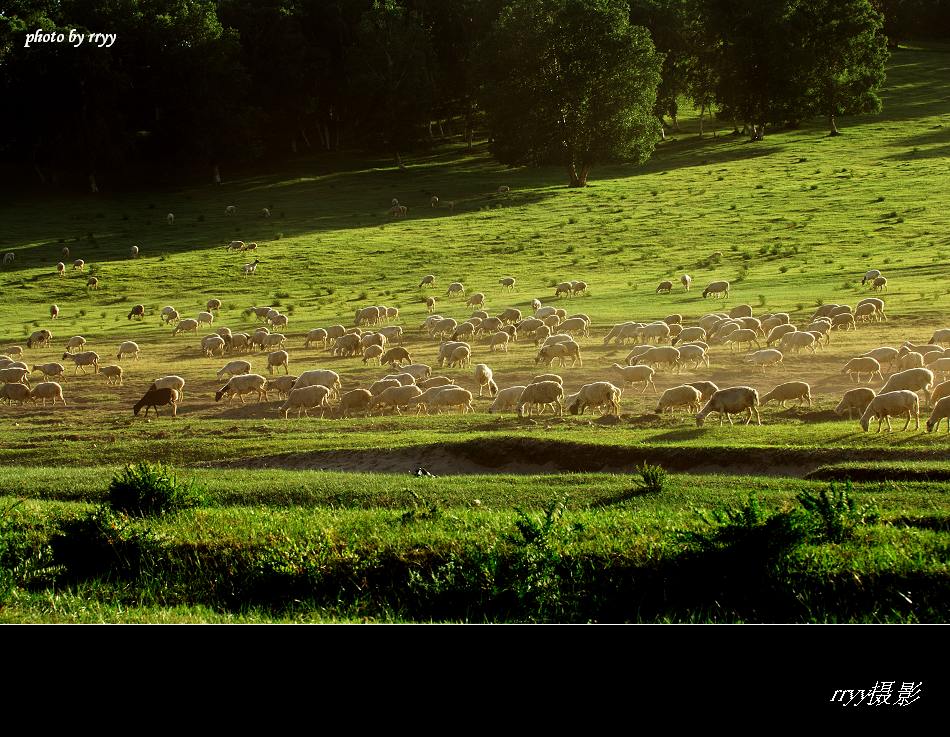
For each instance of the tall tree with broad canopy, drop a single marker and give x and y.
(570, 82)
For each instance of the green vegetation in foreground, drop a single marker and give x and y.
(491, 548)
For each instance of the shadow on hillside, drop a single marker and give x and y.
(939, 152)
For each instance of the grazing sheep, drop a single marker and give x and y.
(880, 283)
(679, 396)
(65, 252)
(47, 390)
(212, 344)
(18, 393)
(939, 392)
(731, 401)
(79, 264)
(543, 393)
(53, 312)
(465, 330)
(655, 356)
(483, 377)
(277, 340)
(706, 389)
(61, 269)
(941, 366)
(445, 397)
(686, 280)
(277, 359)
(636, 375)
(395, 397)
(241, 385)
(112, 373)
(234, 368)
(81, 360)
(535, 304)
(740, 336)
(250, 268)
(50, 370)
(170, 218)
(578, 287)
(506, 400)
(892, 403)
(477, 299)
(862, 365)
(924, 349)
(378, 387)
(356, 400)
(504, 189)
(501, 338)
(170, 382)
(250, 247)
(694, 354)
(235, 246)
(213, 305)
(446, 349)
(941, 411)
(547, 377)
(883, 355)
(565, 287)
(318, 334)
(427, 281)
(39, 338)
(787, 392)
(239, 342)
(765, 357)
(623, 332)
(368, 339)
(507, 282)
(155, 398)
(305, 399)
(870, 276)
(128, 348)
(455, 288)
(599, 394)
(137, 311)
(778, 333)
(910, 359)
(575, 325)
(372, 354)
(795, 341)
(324, 377)
(844, 321)
(914, 379)
(396, 356)
(687, 335)
(664, 286)
(855, 399)
(134, 252)
(430, 304)
(461, 356)
(434, 381)
(169, 315)
(717, 289)
(15, 375)
(940, 337)
(77, 341)
(560, 351)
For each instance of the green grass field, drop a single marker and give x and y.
(798, 218)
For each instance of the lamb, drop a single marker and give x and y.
(396, 356)
(18, 393)
(47, 390)
(395, 397)
(212, 344)
(506, 400)
(636, 375)
(128, 348)
(855, 399)
(501, 338)
(169, 315)
(787, 392)
(914, 379)
(797, 340)
(234, 368)
(170, 382)
(862, 365)
(281, 384)
(717, 289)
(446, 350)
(356, 400)
(560, 351)
(39, 338)
(170, 218)
(455, 288)
(891, 403)
(304, 399)
(941, 411)
(137, 311)
(598, 394)
(578, 287)
(372, 354)
(483, 377)
(241, 385)
(461, 356)
(740, 336)
(542, 393)
(112, 373)
(680, 396)
(686, 280)
(235, 246)
(61, 269)
(765, 357)
(870, 276)
(86, 358)
(507, 282)
(535, 304)
(53, 312)
(77, 341)
(729, 402)
(79, 264)
(477, 299)
(430, 304)
(664, 286)
(155, 398)
(880, 283)
(50, 370)
(277, 359)
(324, 377)
(250, 268)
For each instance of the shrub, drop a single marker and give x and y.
(833, 514)
(652, 479)
(145, 489)
(783, 269)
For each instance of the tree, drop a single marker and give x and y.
(848, 53)
(570, 82)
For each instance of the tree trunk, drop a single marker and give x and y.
(702, 109)
(217, 174)
(293, 144)
(92, 184)
(431, 137)
(441, 132)
(676, 125)
(303, 135)
(578, 178)
(833, 126)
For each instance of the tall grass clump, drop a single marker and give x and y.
(833, 514)
(151, 490)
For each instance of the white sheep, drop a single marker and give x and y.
(560, 352)
(265, 212)
(170, 218)
(939, 392)
(706, 389)
(870, 276)
(597, 395)
(61, 269)
(234, 368)
(212, 344)
(508, 283)
(941, 411)
(276, 359)
(47, 390)
(686, 280)
(740, 336)
(134, 252)
(50, 370)
(543, 393)
(636, 375)
(395, 397)
(230, 210)
(731, 401)
(241, 385)
(795, 341)
(324, 377)
(461, 356)
(53, 312)
(444, 397)
(112, 373)
(717, 289)
(81, 360)
(128, 348)
(679, 396)
(188, 325)
(483, 377)
(77, 341)
(372, 353)
(305, 399)
(941, 337)
(789, 391)
(862, 365)
(655, 356)
(170, 382)
(765, 357)
(79, 264)
(169, 314)
(250, 268)
(506, 400)
(892, 403)
(356, 400)
(855, 399)
(281, 384)
(315, 335)
(910, 359)
(15, 392)
(914, 379)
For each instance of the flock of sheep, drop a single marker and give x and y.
(671, 345)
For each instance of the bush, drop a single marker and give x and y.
(652, 479)
(146, 490)
(833, 515)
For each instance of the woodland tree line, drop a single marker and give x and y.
(193, 87)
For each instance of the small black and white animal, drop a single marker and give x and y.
(155, 398)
